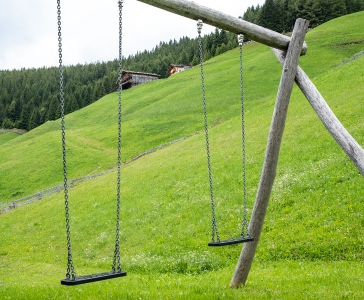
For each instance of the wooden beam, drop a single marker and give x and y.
(326, 115)
(272, 153)
(224, 21)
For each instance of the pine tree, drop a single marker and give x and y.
(2, 113)
(71, 104)
(338, 8)
(53, 110)
(250, 15)
(24, 117)
(34, 120)
(195, 61)
(304, 10)
(12, 111)
(7, 124)
(183, 58)
(269, 15)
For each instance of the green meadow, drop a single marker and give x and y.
(6, 136)
(312, 245)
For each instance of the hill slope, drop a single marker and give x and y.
(315, 212)
(162, 112)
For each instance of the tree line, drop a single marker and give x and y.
(30, 97)
(280, 15)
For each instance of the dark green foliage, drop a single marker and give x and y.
(185, 51)
(280, 15)
(34, 120)
(24, 117)
(53, 112)
(30, 97)
(269, 15)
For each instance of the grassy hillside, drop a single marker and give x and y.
(154, 113)
(312, 243)
(165, 110)
(7, 136)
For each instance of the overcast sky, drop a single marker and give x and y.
(28, 29)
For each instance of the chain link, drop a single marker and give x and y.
(215, 232)
(116, 262)
(70, 268)
(244, 231)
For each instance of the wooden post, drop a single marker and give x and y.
(328, 118)
(215, 18)
(272, 153)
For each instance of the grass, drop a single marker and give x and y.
(312, 243)
(278, 280)
(6, 136)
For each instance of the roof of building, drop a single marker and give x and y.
(172, 67)
(141, 73)
(180, 65)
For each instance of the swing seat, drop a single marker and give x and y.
(239, 240)
(93, 278)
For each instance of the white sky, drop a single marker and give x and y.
(28, 29)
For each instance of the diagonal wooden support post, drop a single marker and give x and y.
(272, 152)
(326, 115)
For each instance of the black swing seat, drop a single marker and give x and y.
(242, 239)
(93, 278)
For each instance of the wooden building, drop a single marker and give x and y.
(173, 69)
(130, 78)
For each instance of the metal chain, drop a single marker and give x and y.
(116, 262)
(244, 231)
(215, 232)
(70, 268)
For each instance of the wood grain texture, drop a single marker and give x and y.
(272, 153)
(350, 146)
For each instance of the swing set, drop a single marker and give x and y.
(287, 50)
(71, 278)
(215, 237)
